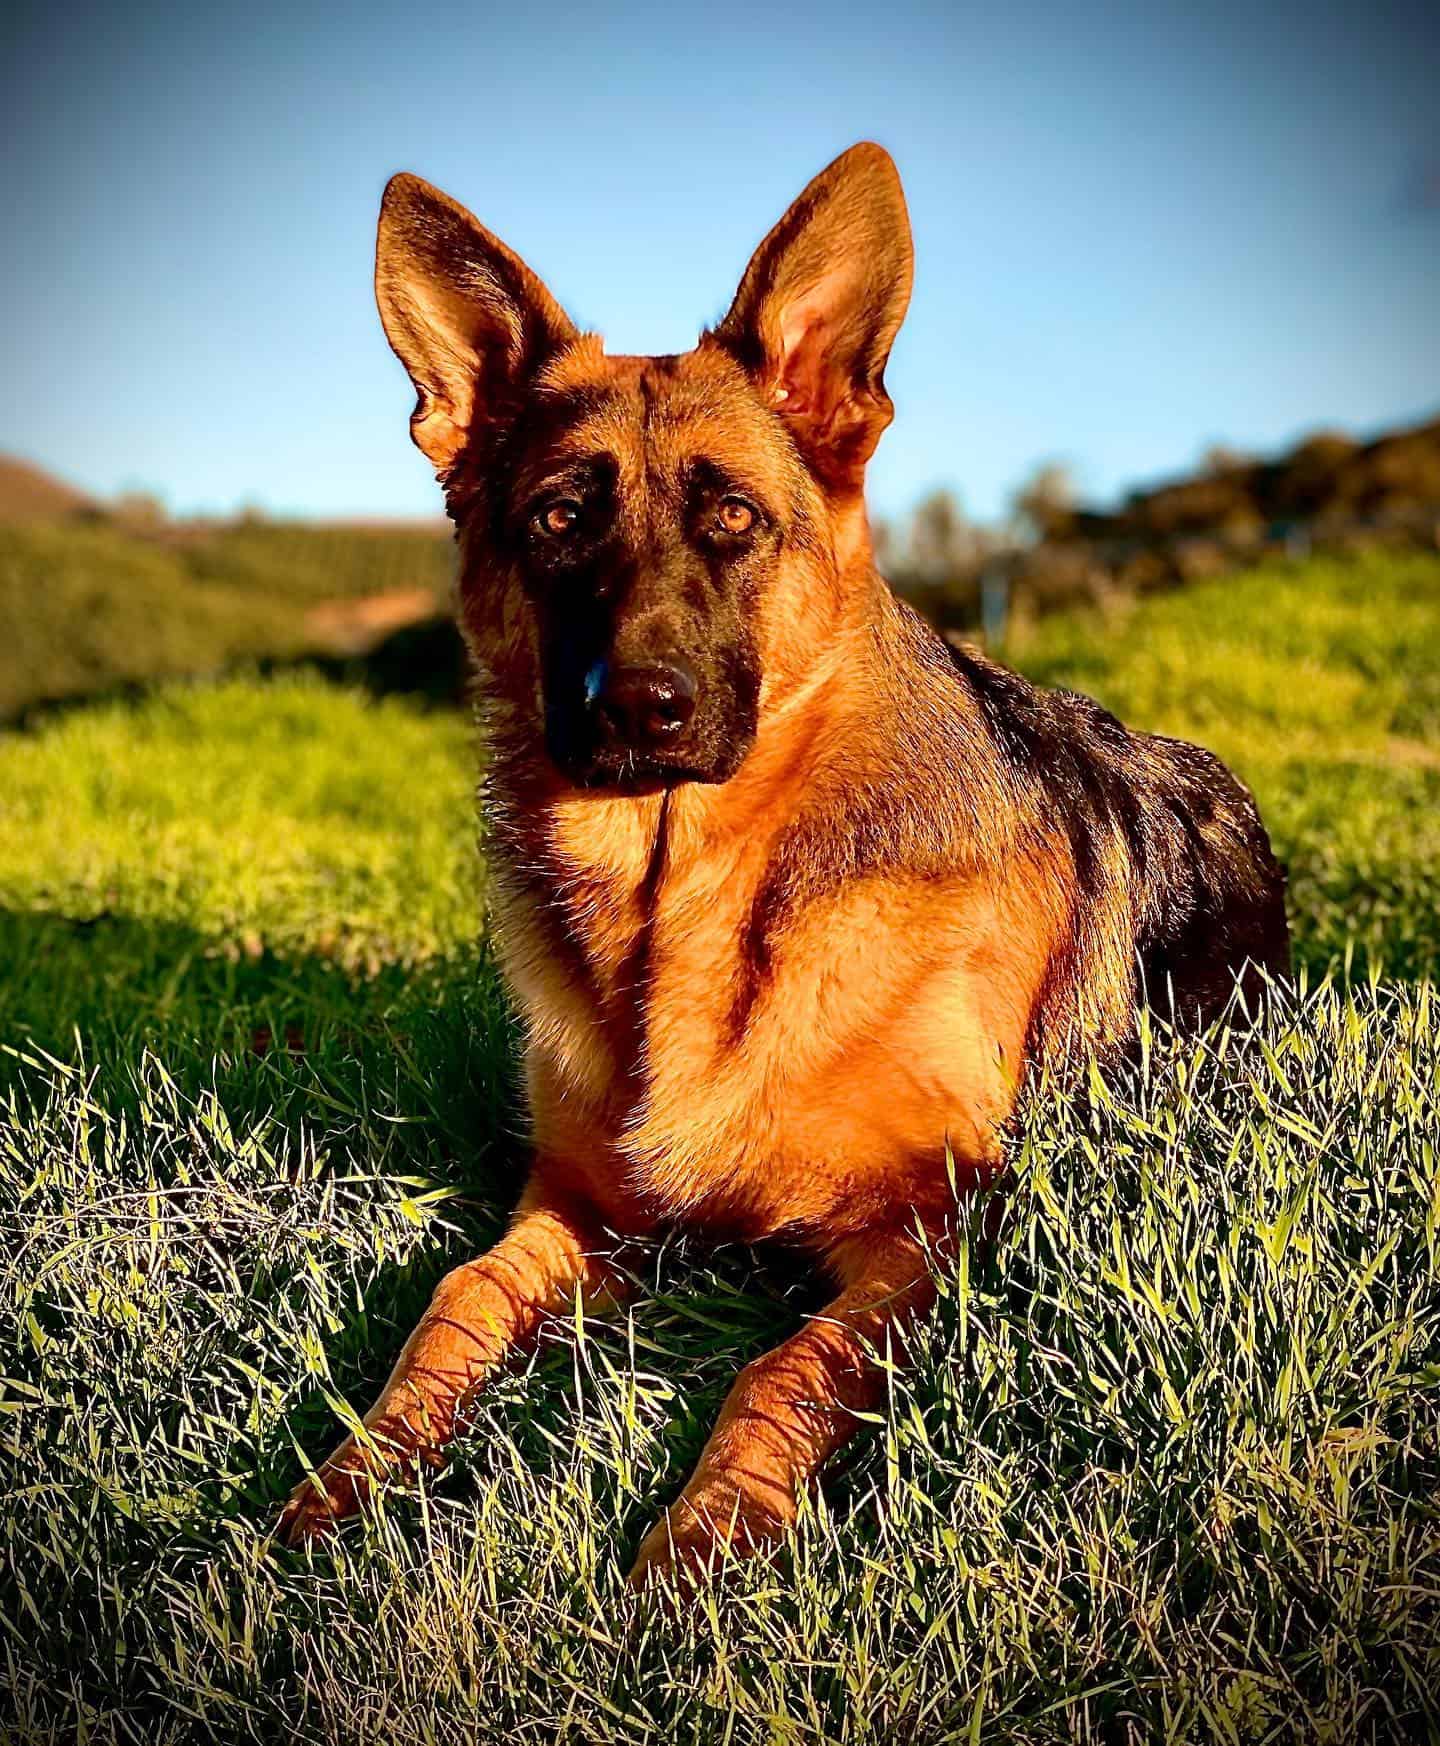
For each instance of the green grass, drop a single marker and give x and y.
(1166, 1467)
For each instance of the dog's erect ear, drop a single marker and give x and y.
(819, 308)
(465, 315)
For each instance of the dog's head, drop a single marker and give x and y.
(654, 551)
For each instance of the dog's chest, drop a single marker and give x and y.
(696, 1082)
(629, 986)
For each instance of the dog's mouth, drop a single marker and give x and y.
(634, 773)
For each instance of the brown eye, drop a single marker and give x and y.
(736, 515)
(559, 519)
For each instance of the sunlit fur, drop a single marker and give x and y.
(797, 998)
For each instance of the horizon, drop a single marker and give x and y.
(1140, 234)
(439, 521)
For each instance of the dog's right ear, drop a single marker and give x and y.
(464, 314)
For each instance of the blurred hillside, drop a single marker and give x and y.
(96, 597)
(1329, 493)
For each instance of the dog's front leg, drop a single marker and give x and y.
(789, 1411)
(481, 1314)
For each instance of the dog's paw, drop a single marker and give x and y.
(391, 1454)
(679, 1547)
(698, 1535)
(325, 1498)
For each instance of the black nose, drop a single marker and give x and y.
(643, 707)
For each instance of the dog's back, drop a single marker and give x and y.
(1175, 891)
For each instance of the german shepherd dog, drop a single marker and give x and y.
(791, 897)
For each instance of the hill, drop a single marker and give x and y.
(1330, 492)
(1328, 480)
(90, 604)
(28, 493)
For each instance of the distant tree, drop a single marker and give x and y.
(139, 512)
(884, 544)
(934, 528)
(935, 557)
(1045, 504)
(943, 545)
(1220, 459)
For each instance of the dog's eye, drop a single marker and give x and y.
(559, 519)
(736, 515)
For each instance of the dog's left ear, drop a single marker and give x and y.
(819, 308)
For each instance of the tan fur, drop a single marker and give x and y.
(784, 1003)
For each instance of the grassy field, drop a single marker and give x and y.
(1167, 1468)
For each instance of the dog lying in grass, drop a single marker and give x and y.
(791, 897)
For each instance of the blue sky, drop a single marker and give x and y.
(1140, 228)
